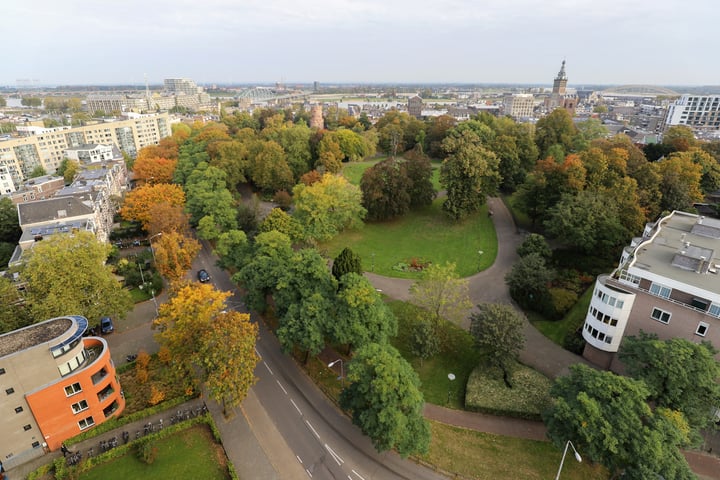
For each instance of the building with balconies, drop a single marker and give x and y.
(57, 383)
(666, 283)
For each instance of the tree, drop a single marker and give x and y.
(303, 325)
(327, 207)
(207, 195)
(68, 169)
(227, 357)
(233, 249)
(469, 174)
(442, 294)
(385, 401)
(13, 315)
(31, 101)
(528, 282)
(535, 243)
(498, 333)
(361, 316)
(679, 374)
(232, 158)
(419, 172)
(281, 221)
(165, 218)
(38, 171)
(3, 102)
(9, 224)
(587, 131)
(557, 128)
(67, 274)
(385, 190)
(270, 170)
(138, 202)
(679, 182)
(347, 261)
(424, 341)
(154, 169)
(608, 419)
(306, 273)
(174, 255)
(679, 138)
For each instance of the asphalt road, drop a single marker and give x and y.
(323, 440)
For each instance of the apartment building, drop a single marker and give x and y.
(666, 283)
(57, 383)
(697, 111)
(46, 147)
(519, 105)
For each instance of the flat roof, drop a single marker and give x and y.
(37, 334)
(685, 249)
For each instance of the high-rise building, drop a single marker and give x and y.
(697, 111)
(57, 383)
(181, 86)
(415, 106)
(519, 105)
(666, 283)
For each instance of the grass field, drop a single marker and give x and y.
(425, 234)
(353, 171)
(191, 453)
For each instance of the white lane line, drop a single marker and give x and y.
(358, 475)
(257, 353)
(335, 456)
(299, 459)
(295, 405)
(283, 388)
(313, 430)
(308, 472)
(266, 366)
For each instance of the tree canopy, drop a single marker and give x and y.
(498, 333)
(138, 202)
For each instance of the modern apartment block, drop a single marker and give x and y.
(519, 105)
(696, 111)
(55, 384)
(666, 283)
(45, 147)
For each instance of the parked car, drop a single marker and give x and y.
(106, 325)
(203, 276)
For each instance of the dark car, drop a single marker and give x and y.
(203, 276)
(106, 325)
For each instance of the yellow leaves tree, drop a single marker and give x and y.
(166, 218)
(174, 254)
(154, 170)
(139, 201)
(212, 344)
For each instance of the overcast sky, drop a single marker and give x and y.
(658, 42)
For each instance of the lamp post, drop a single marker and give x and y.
(342, 375)
(577, 457)
(451, 377)
(157, 312)
(480, 252)
(152, 250)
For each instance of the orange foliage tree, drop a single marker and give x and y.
(139, 201)
(167, 148)
(166, 218)
(174, 254)
(154, 170)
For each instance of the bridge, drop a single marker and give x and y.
(638, 91)
(270, 95)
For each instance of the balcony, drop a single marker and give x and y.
(99, 376)
(105, 393)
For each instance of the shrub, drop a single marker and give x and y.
(562, 300)
(142, 361)
(156, 395)
(574, 342)
(164, 355)
(146, 451)
(283, 199)
(141, 376)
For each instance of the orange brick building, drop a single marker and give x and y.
(54, 384)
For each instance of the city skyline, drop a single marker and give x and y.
(78, 42)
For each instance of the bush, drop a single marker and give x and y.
(562, 300)
(164, 355)
(283, 199)
(146, 451)
(156, 395)
(574, 342)
(486, 392)
(141, 375)
(142, 361)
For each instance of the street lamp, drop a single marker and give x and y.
(451, 377)
(342, 375)
(577, 457)
(157, 312)
(152, 250)
(480, 252)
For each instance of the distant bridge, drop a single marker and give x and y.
(639, 91)
(267, 94)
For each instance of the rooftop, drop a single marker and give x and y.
(37, 334)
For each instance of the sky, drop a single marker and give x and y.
(606, 42)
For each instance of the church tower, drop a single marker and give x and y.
(560, 81)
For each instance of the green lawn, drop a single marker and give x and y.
(191, 453)
(425, 234)
(484, 456)
(557, 330)
(353, 171)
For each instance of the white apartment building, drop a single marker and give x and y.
(519, 105)
(696, 111)
(46, 147)
(666, 283)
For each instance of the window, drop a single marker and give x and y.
(71, 390)
(714, 310)
(619, 304)
(701, 329)
(18, 409)
(10, 391)
(661, 315)
(660, 290)
(35, 444)
(86, 423)
(80, 406)
(27, 427)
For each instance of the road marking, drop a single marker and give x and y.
(295, 405)
(257, 353)
(308, 472)
(266, 366)
(335, 456)
(299, 459)
(283, 388)
(359, 476)
(313, 430)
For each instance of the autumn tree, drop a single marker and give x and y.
(609, 420)
(68, 169)
(469, 174)
(498, 333)
(330, 155)
(346, 261)
(679, 182)
(442, 294)
(385, 401)
(233, 158)
(67, 274)
(166, 218)
(281, 221)
(138, 202)
(436, 133)
(154, 170)
(327, 207)
(174, 255)
(680, 138)
(385, 190)
(269, 169)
